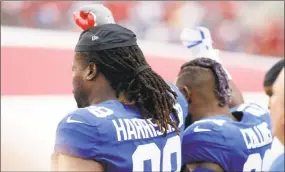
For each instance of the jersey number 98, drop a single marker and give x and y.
(255, 162)
(150, 152)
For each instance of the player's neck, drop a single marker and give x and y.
(101, 94)
(212, 110)
(281, 138)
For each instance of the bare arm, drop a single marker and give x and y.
(237, 97)
(189, 35)
(76, 145)
(207, 165)
(61, 162)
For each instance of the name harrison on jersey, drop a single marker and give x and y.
(130, 129)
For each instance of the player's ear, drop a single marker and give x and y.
(186, 92)
(91, 71)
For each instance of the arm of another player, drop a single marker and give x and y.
(237, 98)
(71, 163)
(76, 146)
(199, 41)
(204, 167)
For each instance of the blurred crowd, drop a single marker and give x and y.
(243, 26)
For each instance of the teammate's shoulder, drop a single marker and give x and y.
(206, 129)
(250, 107)
(91, 115)
(181, 105)
(172, 86)
(84, 125)
(251, 110)
(204, 141)
(79, 132)
(215, 122)
(180, 97)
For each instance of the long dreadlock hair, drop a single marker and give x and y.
(222, 89)
(147, 90)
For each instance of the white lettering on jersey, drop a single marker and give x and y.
(100, 111)
(159, 133)
(149, 129)
(121, 130)
(139, 127)
(129, 129)
(257, 136)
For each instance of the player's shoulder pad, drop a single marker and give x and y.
(205, 129)
(180, 97)
(78, 133)
(209, 123)
(181, 105)
(204, 141)
(251, 109)
(91, 115)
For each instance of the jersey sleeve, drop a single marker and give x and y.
(251, 108)
(253, 111)
(278, 164)
(181, 99)
(204, 146)
(76, 137)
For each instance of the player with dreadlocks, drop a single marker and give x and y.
(129, 118)
(142, 88)
(221, 138)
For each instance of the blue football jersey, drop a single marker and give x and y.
(278, 164)
(234, 145)
(120, 139)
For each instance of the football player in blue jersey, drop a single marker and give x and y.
(220, 138)
(128, 119)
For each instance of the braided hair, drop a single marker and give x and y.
(222, 89)
(147, 91)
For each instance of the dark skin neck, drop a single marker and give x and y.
(207, 105)
(101, 92)
(211, 109)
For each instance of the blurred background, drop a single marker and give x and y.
(38, 37)
(246, 26)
